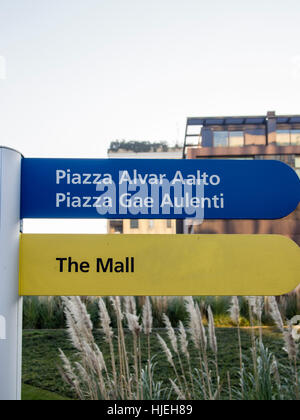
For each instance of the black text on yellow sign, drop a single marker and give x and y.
(174, 265)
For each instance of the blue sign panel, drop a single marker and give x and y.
(158, 189)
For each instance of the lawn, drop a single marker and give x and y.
(41, 361)
(30, 393)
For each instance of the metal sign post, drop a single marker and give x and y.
(10, 302)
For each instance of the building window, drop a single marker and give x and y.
(220, 138)
(134, 224)
(297, 165)
(169, 224)
(255, 136)
(288, 137)
(283, 137)
(236, 138)
(116, 226)
(295, 137)
(228, 138)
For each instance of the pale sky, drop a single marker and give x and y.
(77, 74)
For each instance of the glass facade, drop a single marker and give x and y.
(255, 136)
(295, 137)
(283, 137)
(243, 131)
(236, 138)
(221, 138)
(239, 138)
(288, 137)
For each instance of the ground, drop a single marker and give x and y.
(30, 393)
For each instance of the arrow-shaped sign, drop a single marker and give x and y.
(161, 265)
(164, 189)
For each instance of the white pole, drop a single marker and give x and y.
(10, 302)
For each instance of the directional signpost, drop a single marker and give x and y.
(148, 265)
(158, 189)
(137, 265)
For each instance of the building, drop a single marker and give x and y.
(142, 150)
(247, 137)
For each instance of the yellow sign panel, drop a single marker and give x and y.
(175, 265)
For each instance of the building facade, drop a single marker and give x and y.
(247, 137)
(142, 150)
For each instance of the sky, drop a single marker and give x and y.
(78, 74)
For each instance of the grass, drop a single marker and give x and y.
(48, 313)
(41, 358)
(30, 393)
